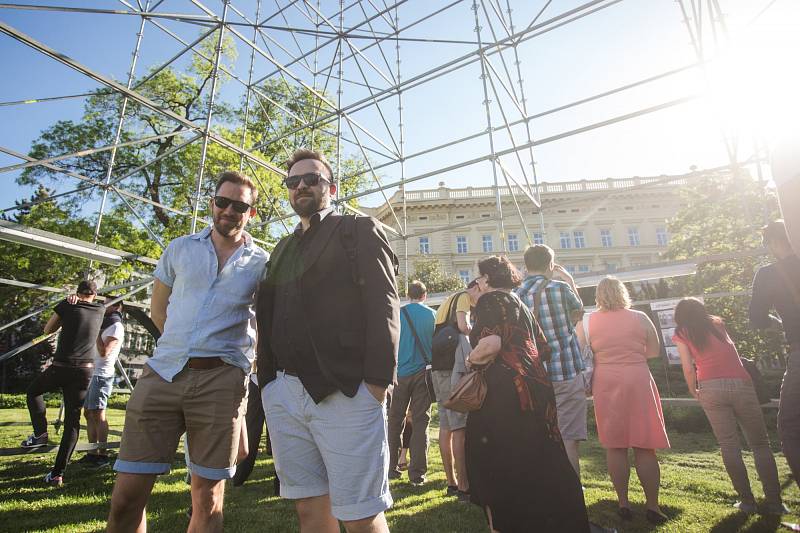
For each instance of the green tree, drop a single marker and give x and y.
(434, 276)
(722, 213)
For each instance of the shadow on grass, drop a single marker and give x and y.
(604, 513)
(739, 522)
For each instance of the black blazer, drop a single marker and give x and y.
(354, 325)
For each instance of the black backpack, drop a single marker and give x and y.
(445, 339)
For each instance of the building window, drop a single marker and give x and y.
(662, 237)
(566, 240)
(580, 240)
(423, 218)
(424, 246)
(461, 244)
(570, 269)
(459, 217)
(538, 238)
(513, 242)
(486, 241)
(486, 215)
(605, 238)
(582, 269)
(633, 236)
(465, 276)
(611, 267)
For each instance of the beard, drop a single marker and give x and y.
(227, 226)
(308, 203)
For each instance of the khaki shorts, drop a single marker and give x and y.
(208, 405)
(571, 408)
(448, 419)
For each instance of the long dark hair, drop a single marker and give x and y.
(695, 323)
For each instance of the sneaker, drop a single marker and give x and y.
(463, 496)
(55, 481)
(451, 490)
(746, 507)
(417, 481)
(87, 460)
(395, 474)
(776, 508)
(101, 461)
(34, 442)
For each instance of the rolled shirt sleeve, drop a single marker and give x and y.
(165, 270)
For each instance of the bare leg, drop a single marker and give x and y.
(372, 524)
(207, 499)
(649, 475)
(446, 450)
(314, 515)
(489, 518)
(460, 458)
(91, 428)
(128, 503)
(574, 455)
(620, 470)
(101, 430)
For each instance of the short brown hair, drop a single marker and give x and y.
(239, 179)
(303, 153)
(612, 294)
(538, 257)
(499, 272)
(417, 289)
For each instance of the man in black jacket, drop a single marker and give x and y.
(328, 321)
(777, 286)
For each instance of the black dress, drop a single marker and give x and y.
(516, 461)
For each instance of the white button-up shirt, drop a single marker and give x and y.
(209, 314)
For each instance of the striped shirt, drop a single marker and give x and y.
(557, 303)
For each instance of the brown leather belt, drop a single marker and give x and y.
(204, 363)
(73, 365)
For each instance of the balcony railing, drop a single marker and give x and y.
(544, 188)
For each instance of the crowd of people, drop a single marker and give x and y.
(312, 339)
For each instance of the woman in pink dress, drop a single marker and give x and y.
(627, 406)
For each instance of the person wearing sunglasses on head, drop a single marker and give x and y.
(329, 310)
(196, 381)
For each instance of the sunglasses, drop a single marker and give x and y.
(310, 179)
(239, 207)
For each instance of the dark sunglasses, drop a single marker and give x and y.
(239, 207)
(310, 179)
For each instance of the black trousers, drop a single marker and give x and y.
(73, 383)
(255, 426)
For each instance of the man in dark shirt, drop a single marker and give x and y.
(71, 372)
(777, 286)
(328, 322)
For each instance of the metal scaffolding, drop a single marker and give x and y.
(342, 47)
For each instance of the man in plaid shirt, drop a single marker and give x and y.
(559, 309)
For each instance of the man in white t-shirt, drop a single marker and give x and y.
(109, 343)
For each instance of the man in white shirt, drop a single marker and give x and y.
(109, 343)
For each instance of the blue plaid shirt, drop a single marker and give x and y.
(557, 303)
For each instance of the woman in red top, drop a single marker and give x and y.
(725, 391)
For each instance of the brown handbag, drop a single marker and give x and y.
(469, 393)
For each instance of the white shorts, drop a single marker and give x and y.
(337, 447)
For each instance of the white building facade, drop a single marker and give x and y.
(593, 225)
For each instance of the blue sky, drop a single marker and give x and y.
(628, 41)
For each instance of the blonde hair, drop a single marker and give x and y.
(612, 294)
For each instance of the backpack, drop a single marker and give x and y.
(445, 338)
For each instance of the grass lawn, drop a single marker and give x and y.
(695, 491)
